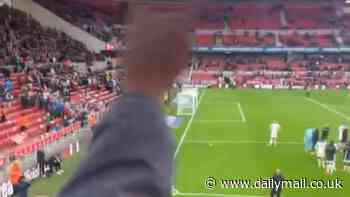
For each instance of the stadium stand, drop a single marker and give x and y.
(20, 46)
(233, 16)
(308, 40)
(248, 40)
(253, 16)
(235, 40)
(310, 15)
(86, 17)
(44, 111)
(39, 90)
(23, 39)
(43, 98)
(249, 71)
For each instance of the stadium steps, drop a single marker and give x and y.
(11, 128)
(38, 120)
(92, 96)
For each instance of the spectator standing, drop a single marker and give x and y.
(40, 157)
(2, 92)
(20, 186)
(277, 184)
(55, 128)
(8, 86)
(3, 117)
(23, 122)
(24, 97)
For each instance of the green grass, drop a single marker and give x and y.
(210, 148)
(51, 186)
(232, 160)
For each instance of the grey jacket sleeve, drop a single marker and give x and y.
(130, 155)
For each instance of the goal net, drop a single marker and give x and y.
(187, 101)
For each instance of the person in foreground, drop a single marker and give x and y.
(132, 150)
(20, 185)
(277, 183)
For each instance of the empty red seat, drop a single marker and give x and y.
(205, 40)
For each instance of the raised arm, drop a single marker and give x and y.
(131, 151)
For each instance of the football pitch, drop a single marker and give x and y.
(227, 139)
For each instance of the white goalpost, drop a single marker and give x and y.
(187, 101)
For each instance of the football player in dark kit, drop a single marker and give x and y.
(346, 157)
(315, 138)
(277, 184)
(325, 132)
(331, 151)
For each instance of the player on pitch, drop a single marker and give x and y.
(331, 151)
(275, 128)
(321, 153)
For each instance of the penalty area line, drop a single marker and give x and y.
(182, 139)
(238, 142)
(217, 121)
(244, 119)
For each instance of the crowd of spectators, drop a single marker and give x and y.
(49, 88)
(249, 62)
(23, 44)
(88, 18)
(248, 70)
(24, 40)
(295, 16)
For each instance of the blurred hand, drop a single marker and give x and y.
(158, 50)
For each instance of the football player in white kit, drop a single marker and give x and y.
(275, 128)
(321, 153)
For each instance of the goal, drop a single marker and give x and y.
(187, 101)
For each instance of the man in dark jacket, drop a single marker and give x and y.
(55, 164)
(136, 127)
(277, 184)
(40, 157)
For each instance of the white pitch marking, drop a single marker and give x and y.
(237, 142)
(219, 103)
(324, 106)
(217, 121)
(187, 127)
(242, 113)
